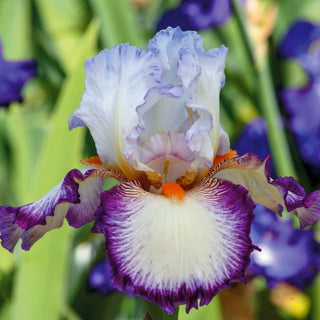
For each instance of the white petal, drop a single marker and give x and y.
(117, 82)
(175, 252)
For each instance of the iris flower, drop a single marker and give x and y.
(196, 15)
(279, 242)
(99, 279)
(13, 76)
(254, 139)
(280, 246)
(177, 225)
(302, 104)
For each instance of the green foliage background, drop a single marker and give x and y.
(37, 150)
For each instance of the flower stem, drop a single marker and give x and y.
(276, 135)
(267, 102)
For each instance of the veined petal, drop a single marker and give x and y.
(305, 207)
(181, 54)
(117, 81)
(207, 89)
(168, 154)
(74, 195)
(187, 108)
(251, 172)
(174, 252)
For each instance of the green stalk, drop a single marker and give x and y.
(268, 104)
(276, 135)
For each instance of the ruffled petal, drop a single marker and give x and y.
(207, 91)
(117, 81)
(251, 172)
(305, 207)
(191, 107)
(75, 198)
(174, 252)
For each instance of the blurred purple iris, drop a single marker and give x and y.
(302, 104)
(99, 279)
(254, 139)
(287, 255)
(13, 76)
(196, 15)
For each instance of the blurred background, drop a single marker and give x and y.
(269, 104)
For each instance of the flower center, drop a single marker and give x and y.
(173, 191)
(218, 159)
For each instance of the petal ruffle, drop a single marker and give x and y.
(305, 207)
(191, 106)
(176, 252)
(117, 81)
(251, 172)
(76, 198)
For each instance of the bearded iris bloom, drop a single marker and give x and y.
(177, 225)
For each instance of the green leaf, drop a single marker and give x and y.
(63, 22)
(39, 288)
(15, 28)
(118, 23)
(210, 312)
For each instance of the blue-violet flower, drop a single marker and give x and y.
(13, 76)
(287, 255)
(196, 15)
(99, 278)
(177, 226)
(302, 104)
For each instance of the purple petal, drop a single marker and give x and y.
(74, 195)
(196, 15)
(174, 252)
(99, 278)
(298, 39)
(305, 207)
(13, 76)
(304, 112)
(254, 139)
(286, 254)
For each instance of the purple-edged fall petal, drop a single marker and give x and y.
(251, 172)
(174, 252)
(305, 207)
(76, 198)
